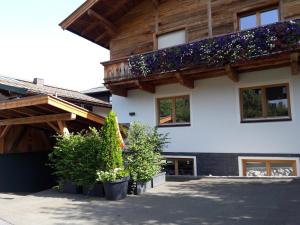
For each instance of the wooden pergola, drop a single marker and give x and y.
(44, 112)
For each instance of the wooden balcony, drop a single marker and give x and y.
(270, 46)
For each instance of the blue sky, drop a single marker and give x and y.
(33, 45)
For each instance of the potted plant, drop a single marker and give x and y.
(89, 163)
(143, 159)
(61, 160)
(75, 161)
(112, 172)
(115, 183)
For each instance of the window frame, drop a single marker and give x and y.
(180, 157)
(265, 117)
(177, 29)
(257, 12)
(268, 165)
(174, 123)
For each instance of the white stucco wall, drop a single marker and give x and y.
(215, 116)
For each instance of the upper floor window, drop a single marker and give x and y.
(258, 18)
(171, 39)
(265, 103)
(174, 110)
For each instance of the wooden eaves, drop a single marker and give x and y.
(47, 110)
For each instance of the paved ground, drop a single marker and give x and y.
(205, 201)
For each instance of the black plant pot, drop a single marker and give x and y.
(116, 190)
(142, 187)
(94, 190)
(159, 179)
(67, 186)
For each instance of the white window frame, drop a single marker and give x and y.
(169, 34)
(184, 157)
(241, 158)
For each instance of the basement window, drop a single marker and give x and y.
(275, 168)
(265, 103)
(258, 18)
(171, 39)
(179, 166)
(173, 111)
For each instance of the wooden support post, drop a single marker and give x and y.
(110, 27)
(145, 87)
(63, 129)
(295, 63)
(54, 127)
(184, 81)
(231, 73)
(3, 131)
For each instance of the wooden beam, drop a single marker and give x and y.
(145, 87)
(110, 27)
(23, 102)
(155, 3)
(100, 37)
(295, 63)
(63, 128)
(38, 119)
(231, 73)
(117, 91)
(184, 81)
(3, 131)
(54, 127)
(89, 28)
(209, 19)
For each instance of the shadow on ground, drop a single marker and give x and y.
(207, 201)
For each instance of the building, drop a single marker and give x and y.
(31, 114)
(16, 88)
(220, 76)
(101, 93)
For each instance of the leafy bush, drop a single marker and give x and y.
(112, 175)
(75, 157)
(144, 145)
(112, 167)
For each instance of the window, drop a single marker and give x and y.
(258, 18)
(171, 39)
(278, 168)
(265, 103)
(179, 166)
(174, 111)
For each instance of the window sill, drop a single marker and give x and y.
(175, 125)
(265, 120)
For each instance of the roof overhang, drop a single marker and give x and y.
(47, 112)
(96, 20)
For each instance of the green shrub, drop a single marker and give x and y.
(144, 145)
(112, 175)
(75, 157)
(110, 151)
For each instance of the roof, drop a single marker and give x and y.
(96, 90)
(45, 111)
(96, 20)
(27, 87)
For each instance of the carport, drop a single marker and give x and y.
(27, 127)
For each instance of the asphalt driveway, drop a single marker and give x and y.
(205, 201)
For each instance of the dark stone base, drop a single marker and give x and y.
(221, 164)
(25, 172)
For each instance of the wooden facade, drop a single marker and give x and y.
(139, 24)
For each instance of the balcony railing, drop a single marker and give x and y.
(239, 47)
